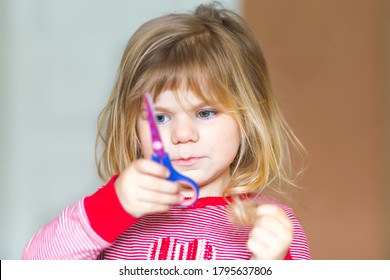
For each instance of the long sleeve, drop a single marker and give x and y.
(97, 226)
(82, 231)
(299, 248)
(69, 236)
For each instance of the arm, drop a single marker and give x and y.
(82, 231)
(67, 237)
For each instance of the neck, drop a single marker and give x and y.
(215, 187)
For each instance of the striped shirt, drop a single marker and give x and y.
(97, 227)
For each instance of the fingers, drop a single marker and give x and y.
(268, 226)
(164, 197)
(150, 167)
(149, 207)
(142, 188)
(273, 216)
(271, 234)
(159, 185)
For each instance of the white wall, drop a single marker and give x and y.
(58, 61)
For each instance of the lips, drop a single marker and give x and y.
(186, 161)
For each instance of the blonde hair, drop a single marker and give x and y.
(213, 53)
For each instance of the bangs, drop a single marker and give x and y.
(176, 80)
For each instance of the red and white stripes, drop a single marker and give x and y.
(201, 232)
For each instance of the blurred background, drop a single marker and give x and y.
(329, 62)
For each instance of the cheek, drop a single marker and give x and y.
(226, 140)
(233, 144)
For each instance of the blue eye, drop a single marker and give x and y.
(206, 114)
(162, 118)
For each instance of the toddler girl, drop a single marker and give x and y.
(221, 127)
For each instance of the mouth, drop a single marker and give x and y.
(186, 161)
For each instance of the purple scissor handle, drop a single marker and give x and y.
(159, 155)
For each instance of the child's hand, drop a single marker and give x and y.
(142, 188)
(271, 235)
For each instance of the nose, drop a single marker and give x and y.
(184, 130)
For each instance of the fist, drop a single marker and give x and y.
(272, 233)
(143, 188)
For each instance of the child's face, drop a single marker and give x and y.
(201, 142)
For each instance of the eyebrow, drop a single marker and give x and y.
(193, 107)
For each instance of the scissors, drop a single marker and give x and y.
(160, 156)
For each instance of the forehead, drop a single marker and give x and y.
(184, 98)
(189, 91)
